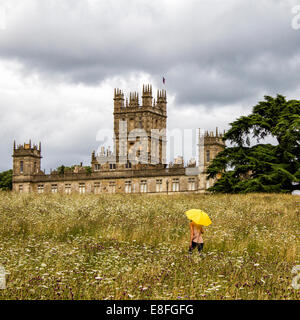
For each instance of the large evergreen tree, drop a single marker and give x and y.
(262, 167)
(6, 180)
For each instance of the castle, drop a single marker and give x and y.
(137, 163)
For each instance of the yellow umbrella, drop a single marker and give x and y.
(198, 216)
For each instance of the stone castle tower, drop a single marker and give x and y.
(210, 144)
(26, 163)
(133, 121)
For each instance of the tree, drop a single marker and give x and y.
(6, 180)
(61, 170)
(262, 167)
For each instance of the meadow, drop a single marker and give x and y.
(136, 247)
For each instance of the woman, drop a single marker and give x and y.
(196, 239)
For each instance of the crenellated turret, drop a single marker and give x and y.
(147, 96)
(214, 138)
(26, 159)
(133, 100)
(118, 99)
(161, 101)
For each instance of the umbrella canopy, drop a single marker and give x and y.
(198, 216)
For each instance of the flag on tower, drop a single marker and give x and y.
(164, 80)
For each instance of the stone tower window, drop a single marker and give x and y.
(207, 156)
(34, 167)
(128, 165)
(21, 166)
(20, 188)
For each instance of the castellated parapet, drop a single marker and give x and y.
(212, 138)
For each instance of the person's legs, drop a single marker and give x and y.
(200, 247)
(192, 247)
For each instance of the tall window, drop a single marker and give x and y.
(175, 185)
(68, 188)
(128, 186)
(34, 167)
(207, 156)
(81, 188)
(112, 187)
(97, 187)
(20, 188)
(192, 184)
(143, 186)
(54, 188)
(21, 166)
(128, 165)
(159, 185)
(40, 188)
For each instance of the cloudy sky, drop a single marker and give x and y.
(60, 61)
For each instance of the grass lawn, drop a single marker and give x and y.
(136, 247)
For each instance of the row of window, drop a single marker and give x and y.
(112, 186)
(112, 166)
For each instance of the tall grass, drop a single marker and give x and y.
(136, 247)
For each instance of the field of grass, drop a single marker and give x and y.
(136, 247)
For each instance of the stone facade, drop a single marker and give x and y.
(137, 163)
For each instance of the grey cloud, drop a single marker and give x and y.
(86, 42)
(213, 54)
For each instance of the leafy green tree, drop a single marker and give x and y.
(6, 180)
(61, 170)
(262, 167)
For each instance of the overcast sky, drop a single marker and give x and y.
(61, 59)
